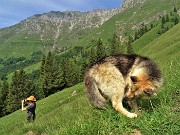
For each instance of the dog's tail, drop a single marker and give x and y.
(94, 93)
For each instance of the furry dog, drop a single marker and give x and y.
(121, 77)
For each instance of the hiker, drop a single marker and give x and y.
(30, 108)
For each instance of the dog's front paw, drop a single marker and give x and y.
(138, 112)
(132, 115)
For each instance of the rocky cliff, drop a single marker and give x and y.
(130, 3)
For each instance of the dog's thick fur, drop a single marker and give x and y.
(121, 77)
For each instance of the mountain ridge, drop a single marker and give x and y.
(55, 29)
(60, 31)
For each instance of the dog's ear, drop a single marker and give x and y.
(134, 79)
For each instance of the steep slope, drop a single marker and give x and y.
(64, 113)
(61, 105)
(135, 15)
(168, 43)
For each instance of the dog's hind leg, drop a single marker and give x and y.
(93, 92)
(118, 106)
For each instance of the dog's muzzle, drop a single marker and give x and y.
(149, 92)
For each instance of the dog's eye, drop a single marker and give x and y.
(134, 79)
(148, 92)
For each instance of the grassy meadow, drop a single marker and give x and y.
(66, 114)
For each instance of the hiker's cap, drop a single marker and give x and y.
(31, 98)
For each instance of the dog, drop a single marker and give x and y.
(119, 77)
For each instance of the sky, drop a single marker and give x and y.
(14, 11)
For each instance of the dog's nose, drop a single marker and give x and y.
(148, 92)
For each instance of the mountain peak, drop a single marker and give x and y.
(130, 3)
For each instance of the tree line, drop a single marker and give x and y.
(11, 64)
(167, 21)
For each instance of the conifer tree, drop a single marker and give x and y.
(13, 95)
(130, 49)
(116, 47)
(92, 55)
(145, 28)
(58, 78)
(142, 31)
(176, 21)
(100, 49)
(175, 9)
(162, 26)
(136, 36)
(3, 96)
(81, 62)
(25, 84)
(152, 25)
(48, 77)
(139, 33)
(83, 67)
(163, 20)
(21, 87)
(52, 76)
(71, 72)
(167, 18)
(40, 92)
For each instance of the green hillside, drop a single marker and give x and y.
(65, 114)
(18, 40)
(15, 42)
(66, 110)
(129, 20)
